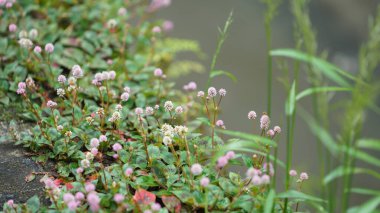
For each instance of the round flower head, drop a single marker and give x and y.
(93, 201)
(61, 79)
(49, 47)
(251, 172)
(116, 147)
(51, 104)
(89, 187)
(192, 86)
(264, 122)
(167, 140)
(128, 172)
(37, 49)
(21, 85)
(112, 74)
(25, 43)
(122, 11)
(158, 72)
(230, 155)
(265, 179)
(293, 173)
(111, 23)
(168, 106)
(270, 133)
(304, 176)
(77, 71)
(118, 107)
(222, 162)
(156, 207)
(124, 96)
(222, 92)
(94, 142)
(156, 107)
(205, 181)
(67, 197)
(115, 156)
(219, 123)
(10, 203)
(12, 28)
(127, 89)
(118, 198)
(8, 5)
(167, 26)
(178, 110)
(268, 168)
(149, 110)
(85, 163)
(251, 115)
(211, 92)
(139, 111)
(256, 180)
(196, 169)
(102, 138)
(59, 127)
(33, 33)
(277, 129)
(79, 196)
(72, 205)
(201, 94)
(79, 170)
(156, 29)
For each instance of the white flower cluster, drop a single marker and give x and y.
(168, 132)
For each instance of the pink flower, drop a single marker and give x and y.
(61, 79)
(251, 115)
(265, 179)
(205, 181)
(222, 161)
(118, 198)
(230, 155)
(102, 138)
(158, 72)
(112, 74)
(89, 187)
(8, 5)
(77, 71)
(94, 151)
(277, 129)
(178, 110)
(168, 106)
(124, 96)
(158, 4)
(49, 47)
(149, 110)
(270, 133)
(37, 49)
(21, 85)
(93, 201)
(222, 92)
(12, 28)
(79, 196)
(10, 203)
(304, 176)
(196, 169)
(51, 104)
(128, 172)
(219, 123)
(156, 207)
(251, 172)
(21, 91)
(156, 29)
(167, 26)
(79, 170)
(264, 122)
(211, 92)
(72, 205)
(116, 147)
(67, 197)
(139, 111)
(115, 156)
(270, 167)
(293, 173)
(201, 94)
(256, 180)
(122, 11)
(94, 142)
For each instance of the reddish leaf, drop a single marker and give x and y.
(144, 197)
(69, 186)
(58, 182)
(172, 203)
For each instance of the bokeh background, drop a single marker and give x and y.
(341, 26)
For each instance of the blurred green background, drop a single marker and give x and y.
(341, 27)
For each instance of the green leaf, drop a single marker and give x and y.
(146, 181)
(215, 73)
(366, 191)
(368, 143)
(329, 70)
(291, 101)
(299, 195)
(340, 171)
(358, 154)
(33, 203)
(269, 201)
(313, 90)
(368, 206)
(254, 138)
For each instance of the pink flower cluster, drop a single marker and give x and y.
(158, 4)
(223, 161)
(257, 178)
(191, 86)
(103, 76)
(21, 90)
(212, 92)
